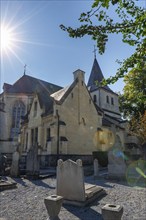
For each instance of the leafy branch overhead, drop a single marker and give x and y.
(99, 25)
(133, 100)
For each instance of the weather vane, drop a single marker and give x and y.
(94, 51)
(25, 69)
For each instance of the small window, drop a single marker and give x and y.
(26, 141)
(83, 121)
(107, 99)
(48, 134)
(36, 136)
(32, 136)
(94, 98)
(35, 109)
(72, 95)
(112, 101)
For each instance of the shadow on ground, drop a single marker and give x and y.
(35, 182)
(84, 213)
(42, 184)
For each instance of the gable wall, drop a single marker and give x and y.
(80, 116)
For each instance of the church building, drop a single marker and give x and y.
(70, 122)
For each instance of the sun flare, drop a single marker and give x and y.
(7, 38)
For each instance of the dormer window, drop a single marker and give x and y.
(35, 109)
(107, 99)
(112, 101)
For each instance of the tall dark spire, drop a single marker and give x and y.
(96, 77)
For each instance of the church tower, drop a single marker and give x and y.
(103, 96)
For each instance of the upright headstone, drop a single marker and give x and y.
(3, 163)
(32, 162)
(116, 165)
(15, 164)
(96, 169)
(71, 186)
(70, 180)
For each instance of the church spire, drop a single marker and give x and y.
(96, 76)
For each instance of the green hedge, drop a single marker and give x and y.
(102, 157)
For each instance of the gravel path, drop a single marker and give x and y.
(26, 202)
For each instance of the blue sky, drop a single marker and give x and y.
(49, 53)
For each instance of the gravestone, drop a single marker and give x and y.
(3, 162)
(116, 166)
(32, 163)
(15, 164)
(71, 186)
(96, 169)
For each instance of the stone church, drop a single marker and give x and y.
(69, 122)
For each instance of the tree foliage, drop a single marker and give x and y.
(133, 100)
(138, 127)
(99, 25)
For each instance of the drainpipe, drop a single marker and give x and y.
(99, 98)
(57, 158)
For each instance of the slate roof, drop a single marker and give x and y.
(28, 84)
(107, 120)
(96, 76)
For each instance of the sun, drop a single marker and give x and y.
(7, 38)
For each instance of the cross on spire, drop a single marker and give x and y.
(25, 69)
(94, 51)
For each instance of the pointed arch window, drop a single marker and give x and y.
(17, 112)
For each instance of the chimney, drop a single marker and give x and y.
(79, 74)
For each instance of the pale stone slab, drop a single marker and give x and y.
(116, 166)
(15, 164)
(70, 180)
(96, 169)
(70, 184)
(32, 162)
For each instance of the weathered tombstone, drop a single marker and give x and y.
(3, 163)
(32, 163)
(116, 166)
(96, 170)
(70, 180)
(70, 184)
(15, 164)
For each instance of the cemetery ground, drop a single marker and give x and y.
(26, 201)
